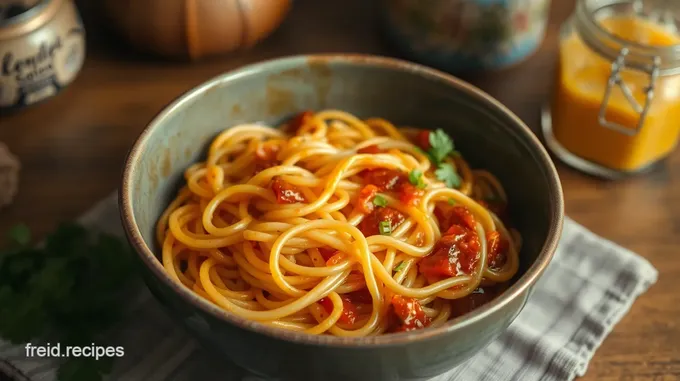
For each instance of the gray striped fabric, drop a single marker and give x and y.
(586, 290)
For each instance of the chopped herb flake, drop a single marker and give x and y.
(379, 200)
(385, 228)
(415, 177)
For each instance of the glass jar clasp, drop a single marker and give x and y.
(615, 79)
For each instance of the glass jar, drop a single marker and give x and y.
(616, 103)
(42, 49)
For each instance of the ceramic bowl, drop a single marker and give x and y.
(466, 35)
(487, 133)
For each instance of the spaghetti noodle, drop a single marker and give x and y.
(336, 225)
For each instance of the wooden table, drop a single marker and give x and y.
(72, 148)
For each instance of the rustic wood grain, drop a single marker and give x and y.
(72, 148)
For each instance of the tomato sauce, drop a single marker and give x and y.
(298, 121)
(370, 225)
(392, 180)
(407, 314)
(372, 149)
(458, 250)
(286, 193)
(364, 201)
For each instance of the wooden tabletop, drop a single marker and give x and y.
(72, 148)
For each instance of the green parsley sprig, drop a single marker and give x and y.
(68, 290)
(441, 147)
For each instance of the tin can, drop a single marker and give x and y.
(42, 49)
(616, 104)
(466, 35)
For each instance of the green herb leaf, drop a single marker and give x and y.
(415, 177)
(379, 200)
(452, 201)
(447, 174)
(20, 234)
(441, 146)
(400, 266)
(70, 290)
(385, 228)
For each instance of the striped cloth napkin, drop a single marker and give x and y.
(586, 290)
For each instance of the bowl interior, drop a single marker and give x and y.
(408, 95)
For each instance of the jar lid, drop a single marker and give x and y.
(639, 55)
(17, 11)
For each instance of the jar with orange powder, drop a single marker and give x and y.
(615, 110)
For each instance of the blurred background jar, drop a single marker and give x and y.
(194, 29)
(466, 35)
(42, 49)
(616, 106)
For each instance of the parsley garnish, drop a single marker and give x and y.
(452, 201)
(415, 177)
(400, 266)
(441, 146)
(448, 175)
(379, 200)
(69, 291)
(385, 228)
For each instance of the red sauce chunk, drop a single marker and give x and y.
(265, 157)
(454, 215)
(410, 194)
(372, 149)
(423, 139)
(349, 310)
(327, 252)
(286, 193)
(497, 249)
(298, 121)
(385, 179)
(393, 180)
(455, 254)
(364, 201)
(409, 314)
(370, 225)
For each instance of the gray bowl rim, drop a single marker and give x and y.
(522, 285)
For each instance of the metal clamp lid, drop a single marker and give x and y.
(615, 79)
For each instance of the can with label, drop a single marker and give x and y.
(42, 49)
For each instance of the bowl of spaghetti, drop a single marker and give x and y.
(341, 217)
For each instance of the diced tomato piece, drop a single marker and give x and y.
(336, 258)
(349, 310)
(370, 225)
(409, 314)
(456, 253)
(497, 249)
(362, 296)
(372, 149)
(265, 157)
(298, 121)
(385, 179)
(327, 252)
(365, 199)
(454, 215)
(286, 193)
(424, 139)
(409, 194)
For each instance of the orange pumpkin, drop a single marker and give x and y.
(195, 28)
